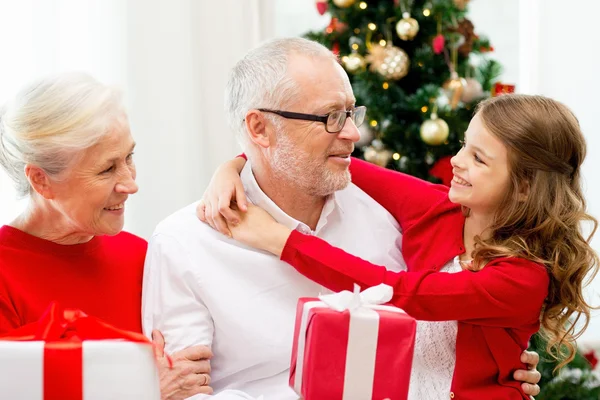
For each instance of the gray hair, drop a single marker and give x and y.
(260, 80)
(50, 122)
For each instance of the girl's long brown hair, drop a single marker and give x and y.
(545, 150)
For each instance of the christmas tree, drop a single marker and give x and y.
(419, 68)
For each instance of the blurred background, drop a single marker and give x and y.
(171, 60)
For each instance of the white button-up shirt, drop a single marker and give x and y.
(201, 287)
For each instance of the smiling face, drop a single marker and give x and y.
(304, 152)
(91, 196)
(481, 170)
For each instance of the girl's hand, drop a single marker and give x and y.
(224, 189)
(259, 230)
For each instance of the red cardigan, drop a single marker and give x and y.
(102, 277)
(497, 308)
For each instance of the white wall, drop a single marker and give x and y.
(179, 55)
(178, 58)
(39, 37)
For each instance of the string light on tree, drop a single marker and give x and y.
(427, 8)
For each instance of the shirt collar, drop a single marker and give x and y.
(259, 198)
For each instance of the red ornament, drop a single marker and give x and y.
(438, 43)
(396, 3)
(502, 88)
(335, 26)
(591, 357)
(336, 49)
(322, 7)
(442, 170)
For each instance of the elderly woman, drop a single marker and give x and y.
(66, 144)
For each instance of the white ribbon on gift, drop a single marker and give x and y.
(362, 337)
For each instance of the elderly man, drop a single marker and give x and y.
(201, 287)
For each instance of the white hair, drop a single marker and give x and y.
(260, 80)
(50, 122)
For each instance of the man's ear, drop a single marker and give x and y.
(256, 126)
(39, 181)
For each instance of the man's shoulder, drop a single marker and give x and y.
(353, 196)
(355, 200)
(183, 225)
(183, 219)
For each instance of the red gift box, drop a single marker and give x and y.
(68, 355)
(363, 352)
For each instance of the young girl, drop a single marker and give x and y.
(500, 252)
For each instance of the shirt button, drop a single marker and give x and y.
(451, 395)
(304, 230)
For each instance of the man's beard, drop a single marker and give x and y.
(300, 169)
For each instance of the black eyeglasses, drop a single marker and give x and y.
(334, 121)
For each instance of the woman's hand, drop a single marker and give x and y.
(224, 189)
(256, 228)
(189, 373)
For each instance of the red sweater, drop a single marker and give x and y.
(497, 308)
(103, 278)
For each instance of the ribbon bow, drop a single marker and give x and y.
(351, 301)
(59, 324)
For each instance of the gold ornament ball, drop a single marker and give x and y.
(453, 88)
(343, 3)
(434, 131)
(407, 28)
(377, 154)
(395, 64)
(472, 90)
(354, 62)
